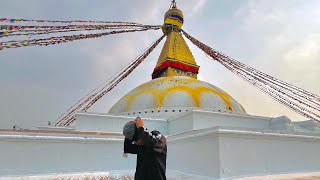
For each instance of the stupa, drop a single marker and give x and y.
(175, 87)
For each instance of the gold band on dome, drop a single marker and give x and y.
(170, 92)
(194, 93)
(192, 87)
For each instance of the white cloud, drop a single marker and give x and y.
(308, 51)
(288, 50)
(197, 7)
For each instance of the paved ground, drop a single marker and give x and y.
(171, 175)
(293, 176)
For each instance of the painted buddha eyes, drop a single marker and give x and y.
(189, 74)
(178, 71)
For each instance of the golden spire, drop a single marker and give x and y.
(176, 58)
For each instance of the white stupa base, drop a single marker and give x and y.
(225, 152)
(201, 144)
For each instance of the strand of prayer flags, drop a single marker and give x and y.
(85, 103)
(62, 21)
(58, 40)
(22, 28)
(50, 31)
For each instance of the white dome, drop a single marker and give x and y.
(175, 94)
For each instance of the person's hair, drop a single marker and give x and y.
(135, 136)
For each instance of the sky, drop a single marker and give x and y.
(280, 38)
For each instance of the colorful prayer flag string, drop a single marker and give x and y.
(22, 28)
(9, 30)
(61, 21)
(58, 40)
(50, 31)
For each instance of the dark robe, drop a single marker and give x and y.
(151, 157)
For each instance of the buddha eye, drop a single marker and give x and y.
(178, 71)
(189, 74)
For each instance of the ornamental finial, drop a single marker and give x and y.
(173, 4)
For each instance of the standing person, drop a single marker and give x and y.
(151, 150)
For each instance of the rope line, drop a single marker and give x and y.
(85, 103)
(62, 39)
(282, 92)
(61, 21)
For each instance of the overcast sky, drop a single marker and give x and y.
(280, 38)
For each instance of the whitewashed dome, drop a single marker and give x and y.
(175, 94)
